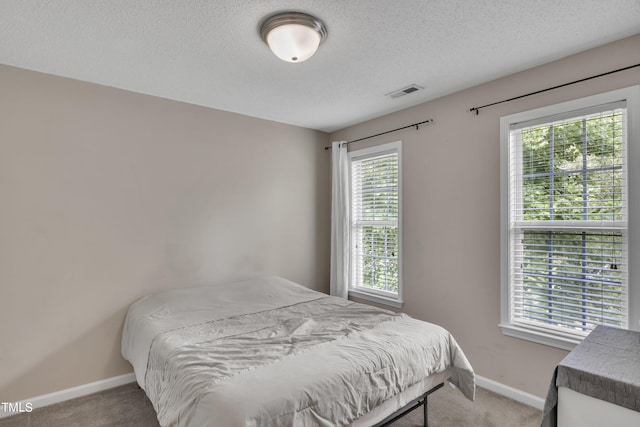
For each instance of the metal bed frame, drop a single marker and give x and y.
(405, 410)
(410, 407)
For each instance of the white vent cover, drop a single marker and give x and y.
(404, 91)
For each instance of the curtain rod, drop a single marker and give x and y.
(416, 125)
(477, 109)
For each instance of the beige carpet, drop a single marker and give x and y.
(128, 406)
(449, 408)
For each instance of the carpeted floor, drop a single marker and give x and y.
(128, 406)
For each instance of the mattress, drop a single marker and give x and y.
(269, 352)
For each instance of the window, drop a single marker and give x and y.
(566, 219)
(375, 224)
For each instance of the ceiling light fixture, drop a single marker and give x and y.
(293, 36)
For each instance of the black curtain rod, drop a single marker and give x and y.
(477, 109)
(416, 125)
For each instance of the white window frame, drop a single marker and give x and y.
(549, 336)
(374, 295)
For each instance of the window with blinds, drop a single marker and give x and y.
(375, 220)
(568, 222)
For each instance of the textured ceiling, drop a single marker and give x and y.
(209, 52)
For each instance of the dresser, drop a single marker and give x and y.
(598, 383)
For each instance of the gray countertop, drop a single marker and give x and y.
(605, 365)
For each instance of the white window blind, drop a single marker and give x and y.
(375, 231)
(568, 221)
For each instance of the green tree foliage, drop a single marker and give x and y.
(573, 171)
(377, 227)
(380, 258)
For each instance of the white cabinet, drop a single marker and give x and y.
(578, 410)
(598, 383)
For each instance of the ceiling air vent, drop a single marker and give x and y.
(404, 91)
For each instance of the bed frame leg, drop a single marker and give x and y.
(426, 412)
(422, 400)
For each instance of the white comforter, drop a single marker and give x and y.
(268, 352)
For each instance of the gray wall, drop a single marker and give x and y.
(108, 195)
(452, 206)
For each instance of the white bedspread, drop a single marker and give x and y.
(268, 352)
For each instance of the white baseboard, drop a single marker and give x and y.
(72, 393)
(510, 392)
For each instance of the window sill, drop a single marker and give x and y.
(393, 302)
(541, 336)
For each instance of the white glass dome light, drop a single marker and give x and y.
(293, 42)
(293, 36)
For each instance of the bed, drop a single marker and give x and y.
(270, 352)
